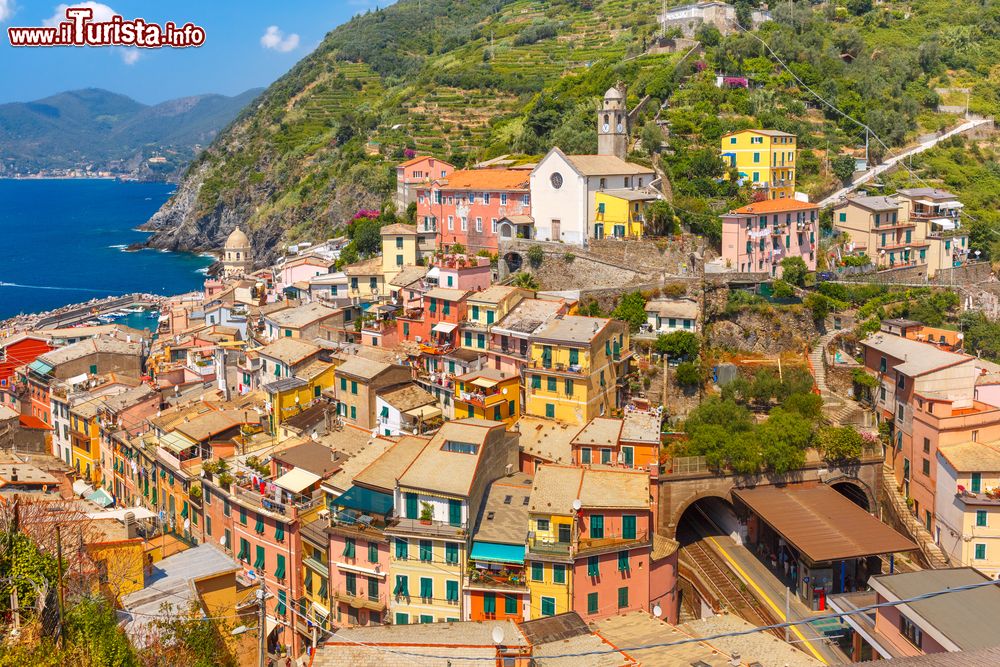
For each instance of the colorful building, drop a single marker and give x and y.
(465, 207)
(967, 512)
(417, 173)
(764, 158)
(630, 442)
(489, 394)
(577, 368)
(400, 248)
(758, 236)
(510, 337)
(358, 381)
(621, 213)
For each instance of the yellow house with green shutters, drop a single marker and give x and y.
(483, 310)
(577, 369)
(764, 158)
(489, 394)
(289, 396)
(621, 213)
(548, 563)
(85, 436)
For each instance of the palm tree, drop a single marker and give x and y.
(525, 280)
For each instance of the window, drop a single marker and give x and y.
(623, 597)
(354, 387)
(402, 548)
(537, 572)
(451, 554)
(550, 384)
(623, 565)
(909, 630)
(402, 588)
(279, 571)
(605, 456)
(402, 619)
(593, 566)
(259, 561)
(459, 448)
(479, 224)
(548, 606)
(628, 526)
(597, 526)
(510, 604)
(980, 552)
(426, 551)
(882, 365)
(542, 525)
(372, 552)
(451, 591)
(536, 381)
(455, 512)
(564, 533)
(981, 518)
(976, 484)
(490, 603)
(558, 573)
(927, 445)
(348, 547)
(426, 588)
(244, 554)
(926, 467)
(585, 456)
(243, 515)
(373, 589)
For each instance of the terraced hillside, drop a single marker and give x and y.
(471, 79)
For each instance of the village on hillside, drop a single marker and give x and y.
(521, 418)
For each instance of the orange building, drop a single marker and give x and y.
(632, 442)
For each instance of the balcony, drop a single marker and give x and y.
(351, 524)
(359, 599)
(538, 546)
(437, 348)
(506, 579)
(515, 351)
(575, 370)
(610, 542)
(242, 492)
(424, 527)
(481, 399)
(378, 327)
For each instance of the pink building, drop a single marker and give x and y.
(465, 272)
(416, 172)
(758, 236)
(302, 270)
(466, 206)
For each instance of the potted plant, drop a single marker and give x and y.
(426, 512)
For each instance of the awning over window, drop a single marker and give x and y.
(486, 383)
(944, 223)
(444, 327)
(365, 500)
(425, 412)
(80, 487)
(297, 480)
(40, 367)
(493, 551)
(100, 497)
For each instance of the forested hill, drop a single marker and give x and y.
(471, 79)
(97, 130)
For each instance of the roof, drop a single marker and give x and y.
(26, 474)
(301, 316)
(360, 457)
(312, 456)
(663, 547)
(589, 650)
(362, 368)
(775, 206)
(366, 267)
(967, 619)
(172, 582)
(212, 423)
(406, 396)
(930, 193)
(549, 629)
(446, 293)
(606, 165)
(872, 203)
(901, 322)
(638, 628)
(528, 315)
(546, 439)
(297, 480)
(641, 427)
(398, 228)
(766, 133)
(972, 456)
(556, 487)
(289, 350)
(760, 648)
(390, 463)
(599, 431)
(83, 348)
(495, 293)
(629, 194)
(486, 179)
(821, 523)
(408, 275)
(419, 158)
(682, 308)
(985, 656)
(503, 515)
(425, 472)
(284, 384)
(573, 329)
(918, 358)
(237, 239)
(313, 369)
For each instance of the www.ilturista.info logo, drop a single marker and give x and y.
(80, 30)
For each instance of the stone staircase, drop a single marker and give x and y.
(918, 533)
(839, 410)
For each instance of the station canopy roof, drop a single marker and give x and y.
(822, 524)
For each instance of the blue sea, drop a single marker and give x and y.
(63, 241)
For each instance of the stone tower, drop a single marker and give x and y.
(237, 258)
(612, 124)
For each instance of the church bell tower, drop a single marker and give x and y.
(612, 124)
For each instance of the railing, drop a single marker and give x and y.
(575, 369)
(271, 505)
(425, 527)
(360, 599)
(548, 546)
(378, 326)
(610, 541)
(436, 348)
(501, 579)
(514, 351)
(483, 400)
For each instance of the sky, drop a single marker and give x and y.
(248, 44)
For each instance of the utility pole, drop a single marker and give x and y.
(261, 624)
(59, 567)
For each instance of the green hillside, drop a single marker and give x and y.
(470, 79)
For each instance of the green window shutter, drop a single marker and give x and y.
(451, 554)
(574, 356)
(244, 550)
(402, 588)
(537, 572)
(547, 356)
(536, 381)
(489, 603)
(475, 312)
(592, 604)
(496, 413)
(343, 384)
(354, 387)
(548, 606)
(243, 515)
(307, 579)
(468, 339)
(426, 551)
(229, 539)
(184, 510)
(411, 505)
(282, 602)
(351, 583)
(511, 409)
(373, 588)
(550, 384)
(354, 412)
(227, 509)
(208, 525)
(623, 597)
(259, 561)
(372, 552)
(597, 525)
(447, 308)
(593, 566)
(481, 341)
(510, 604)
(628, 456)
(322, 589)
(402, 619)
(402, 548)
(558, 574)
(980, 517)
(406, 328)
(451, 591)
(628, 526)
(623, 561)
(455, 512)
(550, 410)
(976, 482)
(279, 571)
(568, 386)
(489, 317)
(259, 526)
(426, 588)
(980, 552)
(585, 456)
(348, 547)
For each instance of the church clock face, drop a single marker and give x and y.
(557, 180)
(606, 127)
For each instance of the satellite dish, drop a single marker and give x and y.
(497, 634)
(504, 391)
(577, 505)
(657, 610)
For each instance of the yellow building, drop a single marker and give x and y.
(489, 394)
(621, 213)
(967, 505)
(399, 249)
(291, 395)
(577, 369)
(85, 435)
(119, 559)
(548, 563)
(765, 158)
